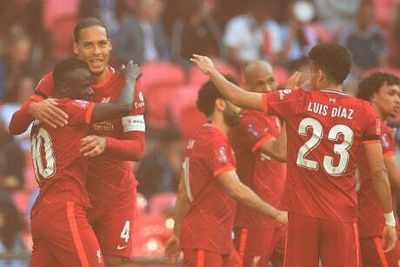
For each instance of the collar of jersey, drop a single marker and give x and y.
(106, 80)
(332, 92)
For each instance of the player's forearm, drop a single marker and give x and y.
(131, 149)
(182, 208)
(246, 196)
(381, 184)
(235, 94)
(126, 97)
(20, 120)
(280, 145)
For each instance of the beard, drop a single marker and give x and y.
(231, 117)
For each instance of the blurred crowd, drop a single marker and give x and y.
(161, 35)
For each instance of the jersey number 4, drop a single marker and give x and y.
(340, 149)
(42, 142)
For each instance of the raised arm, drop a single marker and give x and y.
(124, 103)
(381, 184)
(231, 92)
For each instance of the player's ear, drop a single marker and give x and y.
(75, 48)
(220, 104)
(110, 44)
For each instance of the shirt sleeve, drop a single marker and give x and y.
(45, 87)
(388, 142)
(221, 158)
(79, 111)
(372, 126)
(282, 103)
(254, 131)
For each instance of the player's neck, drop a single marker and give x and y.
(382, 116)
(331, 87)
(218, 122)
(102, 76)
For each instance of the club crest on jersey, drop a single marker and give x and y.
(283, 93)
(253, 131)
(385, 141)
(222, 155)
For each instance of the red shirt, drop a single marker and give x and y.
(370, 213)
(109, 174)
(209, 223)
(59, 166)
(324, 130)
(265, 176)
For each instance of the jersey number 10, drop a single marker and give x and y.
(42, 142)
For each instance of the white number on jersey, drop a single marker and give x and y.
(125, 233)
(42, 142)
(340, 149)
(186, 179)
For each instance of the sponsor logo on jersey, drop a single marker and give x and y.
(283, 93)
(106, 100)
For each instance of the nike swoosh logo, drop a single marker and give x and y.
(121, 247)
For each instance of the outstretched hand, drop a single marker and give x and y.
(172, 249)
(92, 145)
(47, 112)
(282, 217)
(389, 238)
(204, 63)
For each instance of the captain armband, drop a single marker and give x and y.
(133, 123)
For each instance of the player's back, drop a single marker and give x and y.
(209, 222)
(59, 166)
(325, 129)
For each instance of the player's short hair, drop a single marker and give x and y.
(333, 59)
(373, 82)
(207, 95)
(86, 23)
(64, 68)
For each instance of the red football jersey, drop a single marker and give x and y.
(265, 176)
(59, 166)
(209, 223)
(370, 213)
(324, 130)
(107, 176)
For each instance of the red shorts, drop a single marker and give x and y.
(62, 236)
(373, 256)
(112, 221)
(310, 239)
(203, 258)
(256, 247)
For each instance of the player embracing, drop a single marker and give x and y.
(61, 233)
(325, 128)
(110, 145)
(382, 90)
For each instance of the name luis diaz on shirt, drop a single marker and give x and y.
(334, 112)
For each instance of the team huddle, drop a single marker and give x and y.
(285, 177)
(324, 136)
